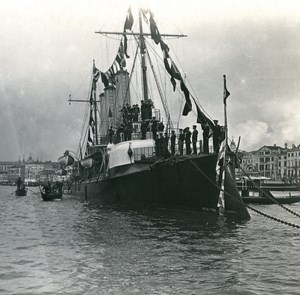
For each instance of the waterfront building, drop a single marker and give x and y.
(9, 172)
(32, 170)
(273, 161)
(282, 164)
(293, 164)
(29, 170)
(250, 162)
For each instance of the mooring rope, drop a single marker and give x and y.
(241, 202)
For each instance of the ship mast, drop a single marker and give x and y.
(141, 35)
(94, 102)
(143, 59)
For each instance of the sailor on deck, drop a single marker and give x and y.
(216, 136)
(173, 142)
(180, 141)
(194, 139)
(206, 136)
(188, 135)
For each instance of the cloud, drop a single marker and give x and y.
(252, 133)
(48, 47)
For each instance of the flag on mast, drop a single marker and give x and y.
(96, 74)
(226, 93)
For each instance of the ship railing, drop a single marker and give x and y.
(120, 137)
(143, 153)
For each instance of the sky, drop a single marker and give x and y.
(47, 49)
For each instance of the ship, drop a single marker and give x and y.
(133, 151)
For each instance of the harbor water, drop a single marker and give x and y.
(71, 247)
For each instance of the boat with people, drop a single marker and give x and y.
(52, 191)
(135, 151)
(21, 190)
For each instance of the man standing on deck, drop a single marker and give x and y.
(180, 142)
(110, 133)
(188, 135)
(194, 139)
(173, 142)
(216, 136)
(206, 136)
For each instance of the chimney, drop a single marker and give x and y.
(285, 145)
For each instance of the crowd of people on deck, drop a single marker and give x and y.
(163, 140)
(133, 114)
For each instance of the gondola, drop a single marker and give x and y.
(21, 192)
(51, 196)
(51, 192)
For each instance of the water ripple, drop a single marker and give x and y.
(69, 247)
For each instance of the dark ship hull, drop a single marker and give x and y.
(178, 182)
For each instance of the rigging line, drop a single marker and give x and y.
(162, 66)
(160, 76)
(194, 95)
(149, 88)
(184, 83)
(83, 136)
(80, 85)
(163, 99)
(97, 107)
(132, 70)
(241, 202)
(85, 122)
(163, 94)
(86, 111)
(113, 38)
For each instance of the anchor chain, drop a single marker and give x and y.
(241, 202)
(274, 218)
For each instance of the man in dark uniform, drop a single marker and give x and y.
(159, 145)
(154, 130)
(110, 133)
(188, 135)
(144, 126)
(160, 127)
(180, 141)
(166, 152)
(194, 139)
(206, 136)
(173, 142)
(216, 136)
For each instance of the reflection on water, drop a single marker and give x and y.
(68, 247)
